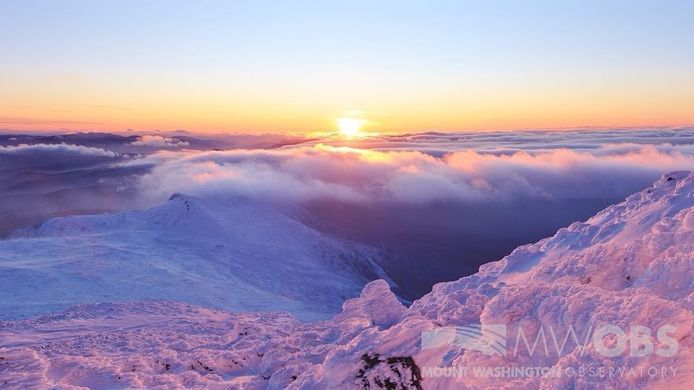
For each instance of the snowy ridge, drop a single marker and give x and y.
(232, 254)
(630, 264)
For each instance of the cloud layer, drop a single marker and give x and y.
(348, 174)
(36, 150)
(39, 181)
(158, 141)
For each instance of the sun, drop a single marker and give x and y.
(350, 127)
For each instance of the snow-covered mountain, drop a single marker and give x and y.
(232, 254)
(629, 266)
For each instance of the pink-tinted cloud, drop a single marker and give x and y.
(347, 174)
(157, 141)
(60, 149)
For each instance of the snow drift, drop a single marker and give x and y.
(629, 265)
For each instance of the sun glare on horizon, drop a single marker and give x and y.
(350, 127)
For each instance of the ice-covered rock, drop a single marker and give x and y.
(376, 305)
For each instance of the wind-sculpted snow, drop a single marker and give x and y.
(630, 265)
(232, 254)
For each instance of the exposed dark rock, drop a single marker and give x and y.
(400, 372)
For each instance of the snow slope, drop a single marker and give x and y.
(629, 265)
(232, 254)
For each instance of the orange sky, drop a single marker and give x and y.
(88, 110)
(298, 66)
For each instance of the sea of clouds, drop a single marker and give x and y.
(411, 176)
(413, 168)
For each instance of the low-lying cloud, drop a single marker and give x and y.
(58, 149)
(354, 175)
(157, 141)
(408, 169)
(39, 181)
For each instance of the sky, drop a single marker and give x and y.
(299, 66)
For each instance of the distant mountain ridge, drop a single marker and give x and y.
(233, 254)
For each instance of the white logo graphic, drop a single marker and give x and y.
(488, 339)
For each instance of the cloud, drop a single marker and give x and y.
(43, 180)
(56, 149)
(348, 174)
(157, 141)
(53, 158)
(481, 168)
(438, 144)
